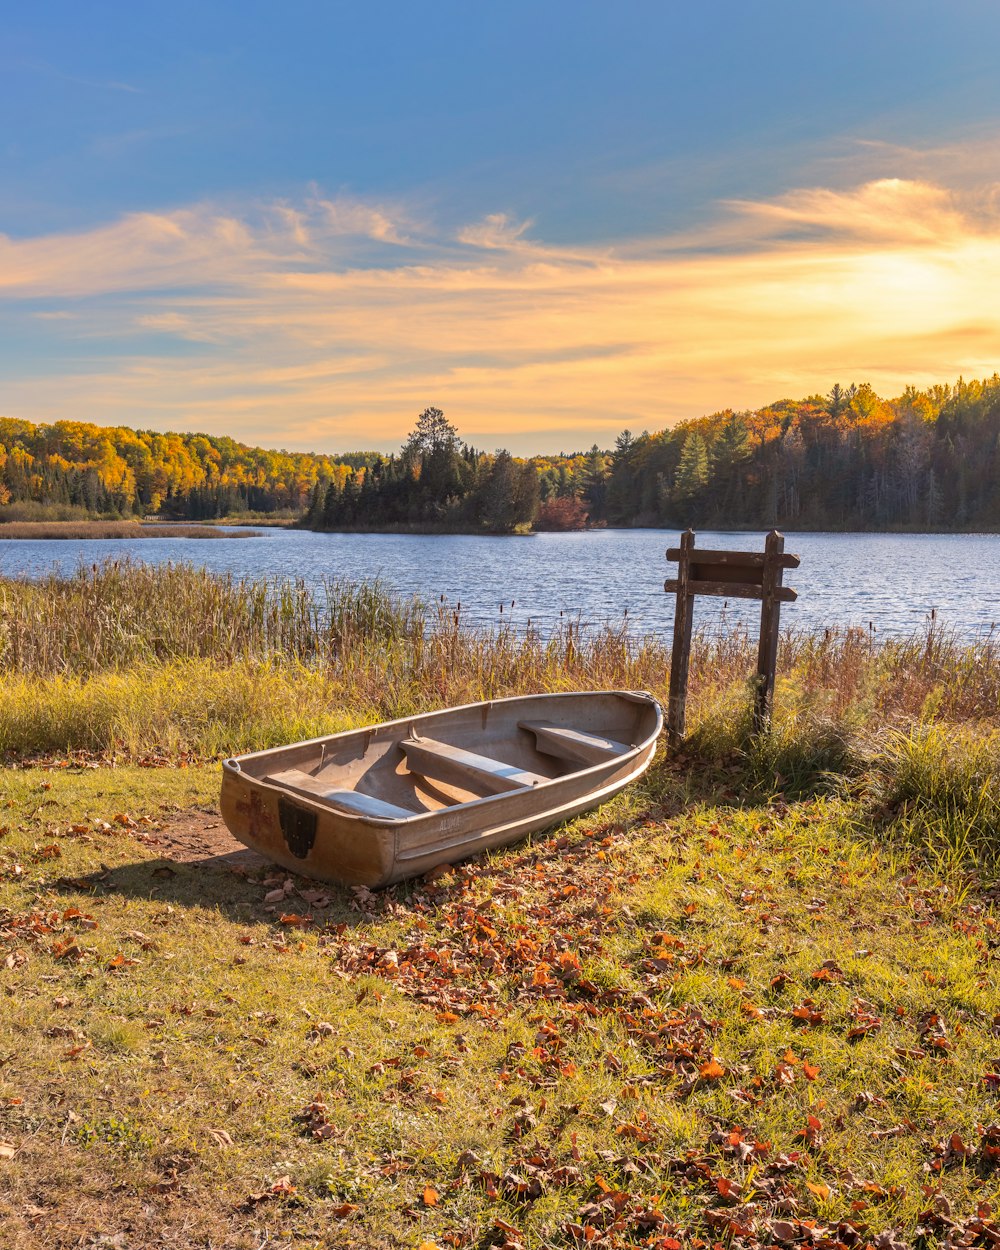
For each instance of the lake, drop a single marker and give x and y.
(890, 582)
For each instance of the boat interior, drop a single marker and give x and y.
(406, 769)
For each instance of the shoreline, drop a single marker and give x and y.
(69, 530)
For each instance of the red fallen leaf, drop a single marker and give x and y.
(958, 1146)
(727, 1188)
(430, 1196)
(810, 1071)
(67, 949)
(711, 1071)
(992, 1080)
(735, 983)
(810, 1133)
(447, 1017)
(282, 1187)
(822, 1192)
(345, 1209)
(294, 920)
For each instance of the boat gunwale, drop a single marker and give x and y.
(392, 823)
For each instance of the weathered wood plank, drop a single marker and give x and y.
(573, 744)
(336, 796)
(756, 558)
(729, 590)
(440, 762)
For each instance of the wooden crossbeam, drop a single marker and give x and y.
(336, 796)
(573, 744)
(440, 762)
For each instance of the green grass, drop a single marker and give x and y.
(597, 1030)
(614, 1036)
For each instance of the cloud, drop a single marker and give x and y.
(329, 323)
(497, 231)
(890, 211)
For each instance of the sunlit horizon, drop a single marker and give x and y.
(560, 263)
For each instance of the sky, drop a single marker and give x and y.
(301, 224)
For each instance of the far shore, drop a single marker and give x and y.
(113, 529)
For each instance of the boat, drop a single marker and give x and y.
(373, 806)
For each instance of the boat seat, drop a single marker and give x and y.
(344, 800)
(437, 761)
(573, 744)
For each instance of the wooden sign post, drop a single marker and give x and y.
(729, 575)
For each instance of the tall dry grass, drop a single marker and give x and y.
(77, 529)
(129, 658)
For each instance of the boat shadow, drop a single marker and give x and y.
(233, 884)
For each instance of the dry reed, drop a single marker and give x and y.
(361, 652)
(110, 529)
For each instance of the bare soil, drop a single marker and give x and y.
(198, 835)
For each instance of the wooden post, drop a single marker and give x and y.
(680, 659)
(767, 649)
(727, 575)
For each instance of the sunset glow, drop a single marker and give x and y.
(326, 319)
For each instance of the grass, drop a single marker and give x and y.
(110, 529)
(667, 1020)
(751, 1002)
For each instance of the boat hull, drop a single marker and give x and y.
(304, 834)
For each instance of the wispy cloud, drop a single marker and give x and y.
(100, 84)
(330, 322)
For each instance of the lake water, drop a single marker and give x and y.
(892, 582)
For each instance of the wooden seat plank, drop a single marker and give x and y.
(344, 800)
(573, 744)
(454, 766)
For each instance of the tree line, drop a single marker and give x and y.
(849, 459)
(436, 482)
(124, 472)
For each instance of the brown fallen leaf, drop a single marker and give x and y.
(220, 1137)
(7, 1150)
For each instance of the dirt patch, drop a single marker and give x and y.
(200, 835)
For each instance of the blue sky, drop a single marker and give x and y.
(302, 223)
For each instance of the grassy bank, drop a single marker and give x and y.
(130, 661)
(751, 1002)
(687, 1017)
(110, 529)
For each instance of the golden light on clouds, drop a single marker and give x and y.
(330, 324)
